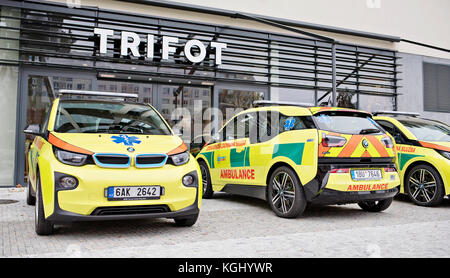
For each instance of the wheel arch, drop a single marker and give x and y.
(414, 164)
(275, 166)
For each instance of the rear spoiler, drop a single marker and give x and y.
(402, 113)
(262, 103)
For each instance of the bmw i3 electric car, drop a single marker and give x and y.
(291, 155)
(103, 156)
(423, 155)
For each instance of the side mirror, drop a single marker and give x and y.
(33, 129)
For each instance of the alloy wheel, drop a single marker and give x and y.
(282, 192)
(422, 185)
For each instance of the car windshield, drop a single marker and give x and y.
(348, 123)
(428, 130)
(77, 116)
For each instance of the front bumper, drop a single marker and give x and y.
(83, 202)
(60, 215)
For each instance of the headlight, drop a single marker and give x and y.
(75, 159)
(180, 158)
(445, 154)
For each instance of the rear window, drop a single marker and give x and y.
(348, 123)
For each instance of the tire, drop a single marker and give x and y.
(285, 193)
(42, 226)
(376, 206)
(186, 221)
(206, 181)
(424, 186)
(31, 200)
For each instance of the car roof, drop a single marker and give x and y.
(289, 110)
(410, 119)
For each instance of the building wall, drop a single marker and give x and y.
(412, 86)
(417, 20)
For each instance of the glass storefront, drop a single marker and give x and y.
(8, 111)
(9, 77)
(52, 47)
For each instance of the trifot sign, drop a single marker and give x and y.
(130, 42)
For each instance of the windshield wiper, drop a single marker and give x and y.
(369, 130)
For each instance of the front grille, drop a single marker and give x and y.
(150, 160)
(112, 160)
(130, 210)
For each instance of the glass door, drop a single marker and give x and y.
(38, 90)
(231, 99)
(185, 108)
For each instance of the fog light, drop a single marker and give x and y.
(188, 180)
(68, 182)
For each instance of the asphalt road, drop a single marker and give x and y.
(232, 226)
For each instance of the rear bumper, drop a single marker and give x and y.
(329, 196)
(339, 188)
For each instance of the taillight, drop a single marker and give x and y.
(387, 142)
(333, 141)
(390, 170)
(340, 171)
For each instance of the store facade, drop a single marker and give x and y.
(171, 64)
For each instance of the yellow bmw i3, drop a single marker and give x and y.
(291, 155)
(423, 155)
(103, 156)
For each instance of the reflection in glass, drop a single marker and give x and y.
(233, 101)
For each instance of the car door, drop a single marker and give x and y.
(233, 157)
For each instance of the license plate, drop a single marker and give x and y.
(117, 193)
(368, 175)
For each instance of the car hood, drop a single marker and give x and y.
(119, 143)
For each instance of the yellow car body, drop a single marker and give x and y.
(90, 198)
(413, 152)
(239, 166)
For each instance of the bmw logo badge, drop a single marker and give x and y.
(365, 143)
(130, 149)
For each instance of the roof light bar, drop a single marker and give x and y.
(396, 113)
(260, 103)
(94, 93)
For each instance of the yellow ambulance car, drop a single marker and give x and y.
(103, 156)
(423, 155)
(291, 155)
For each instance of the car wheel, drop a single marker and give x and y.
(285, 193)
(42, 226)
(376, 206)
(206, 181)
(31, 200)
(186, 221)
(424, 186)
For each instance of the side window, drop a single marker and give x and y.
(268, 125)
(229, 131)
(295, 123)
(393, 131)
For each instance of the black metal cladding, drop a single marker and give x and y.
(54, 35)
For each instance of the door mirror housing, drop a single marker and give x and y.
(34, 130)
